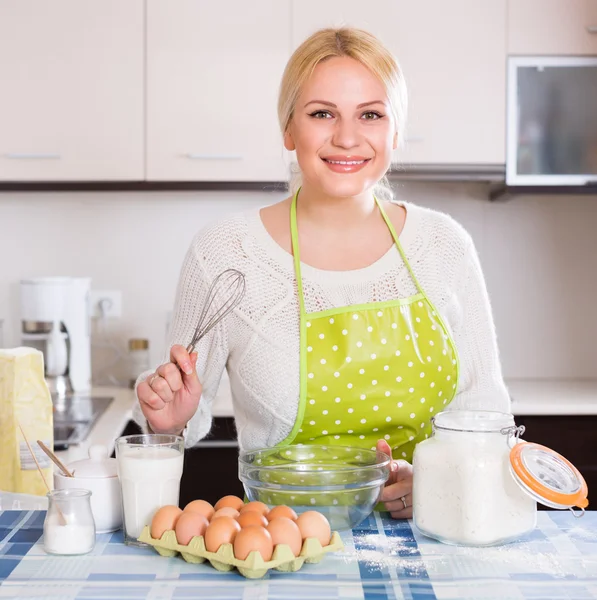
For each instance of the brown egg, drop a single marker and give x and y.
(201, 507)
(281, 511)
(164, 519)
(285, 531)
(251, 538)
(220, 531)
(232, 501)
(227, 511)
(314, 524)
(255, 506)
(189, 525)
(251, 517)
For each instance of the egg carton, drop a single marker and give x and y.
(253, 567)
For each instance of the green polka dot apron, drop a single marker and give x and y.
(371, 371)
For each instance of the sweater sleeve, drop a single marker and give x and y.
(191, 295)
(481, 385)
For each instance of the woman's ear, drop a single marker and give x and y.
(288, 141)
(395, 142)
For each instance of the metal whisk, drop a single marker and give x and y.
(229, 285)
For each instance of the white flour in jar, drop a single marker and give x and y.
(69, 538)
(464, 493)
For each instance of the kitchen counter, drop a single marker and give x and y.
(108, 426)
(383, 559)
(553, 397)
(112, 422)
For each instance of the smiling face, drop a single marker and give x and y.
(342, 129)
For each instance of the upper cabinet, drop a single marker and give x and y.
(552, 27)
(109, 90)
(71, 106)
(453, 57)
(213, 70)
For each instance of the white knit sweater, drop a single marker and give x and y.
(259, 343)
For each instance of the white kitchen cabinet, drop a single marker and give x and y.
(453, 57)
(213, 71)
(561, 27)
(71, 75)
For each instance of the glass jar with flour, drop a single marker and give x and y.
(476, 483)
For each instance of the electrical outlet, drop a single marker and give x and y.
(107, 303)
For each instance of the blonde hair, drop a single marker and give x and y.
(359, 45)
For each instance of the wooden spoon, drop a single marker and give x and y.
(54, 459)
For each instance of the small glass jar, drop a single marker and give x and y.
(69, 527)
(476, 483)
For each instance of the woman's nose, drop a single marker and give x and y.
(345, 134)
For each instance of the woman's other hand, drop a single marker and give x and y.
(169, 397)
(398, 491)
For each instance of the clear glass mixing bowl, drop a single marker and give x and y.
(342, 482)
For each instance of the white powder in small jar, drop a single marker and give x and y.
(463, 491)
(63, 536)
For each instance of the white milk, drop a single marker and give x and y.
(150, 478)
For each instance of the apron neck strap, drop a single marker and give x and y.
(296, 253)
(398, 245)
(297, 257)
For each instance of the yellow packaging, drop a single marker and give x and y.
(26, 400)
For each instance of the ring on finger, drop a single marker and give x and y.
(403, 498)
(153, 378)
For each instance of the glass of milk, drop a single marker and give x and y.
(149, 467)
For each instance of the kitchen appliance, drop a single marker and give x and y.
(55, 318)
(551, 121)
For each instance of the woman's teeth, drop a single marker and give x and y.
(345, 162)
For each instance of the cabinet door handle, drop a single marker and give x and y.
(217, 444)
(194, 156)
(33, 156)
(592, 28)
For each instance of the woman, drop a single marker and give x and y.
(362, 317)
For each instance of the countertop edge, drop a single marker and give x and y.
(553, 397)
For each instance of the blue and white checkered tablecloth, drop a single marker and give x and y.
(383, 559)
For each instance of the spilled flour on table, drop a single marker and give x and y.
(389, 552)
(578, 533)
(461, 561)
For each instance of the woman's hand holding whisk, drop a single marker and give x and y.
(170, 396)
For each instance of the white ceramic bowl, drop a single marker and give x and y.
(98, 475)
(106, 501)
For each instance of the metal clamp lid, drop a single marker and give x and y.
(548, 477)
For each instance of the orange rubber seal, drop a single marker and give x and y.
(576, 499)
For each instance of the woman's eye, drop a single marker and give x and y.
(371, 115)
(321, 114)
